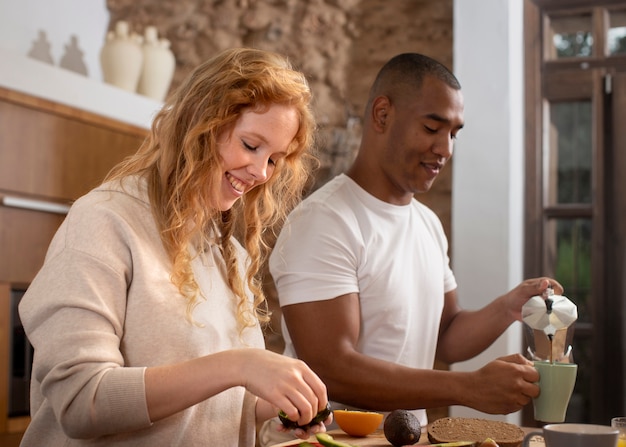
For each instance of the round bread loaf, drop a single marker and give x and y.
(474, 429)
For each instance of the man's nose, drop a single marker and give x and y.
(444, 146)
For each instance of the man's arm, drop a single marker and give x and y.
(464, 334)
(325, 335)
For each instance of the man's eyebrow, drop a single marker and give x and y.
(441, 119)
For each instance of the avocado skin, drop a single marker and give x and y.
(319, 417)
(402, 428)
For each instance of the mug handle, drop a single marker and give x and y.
(530, 435)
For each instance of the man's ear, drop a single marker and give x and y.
(380, 112)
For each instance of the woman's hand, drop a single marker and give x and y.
(284, 384)
(310, 430)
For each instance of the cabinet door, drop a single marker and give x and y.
(24, 239)
(53, 151)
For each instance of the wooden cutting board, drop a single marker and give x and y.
(377, 439)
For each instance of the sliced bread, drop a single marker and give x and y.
(474, 429)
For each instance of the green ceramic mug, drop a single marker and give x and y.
(556, 381)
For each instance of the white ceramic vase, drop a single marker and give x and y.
(158, 66)
(121, 58)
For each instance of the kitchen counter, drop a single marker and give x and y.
(377, 439)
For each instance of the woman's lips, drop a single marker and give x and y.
(238, 185)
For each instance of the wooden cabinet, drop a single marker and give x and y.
(50, 153)
(12, 425)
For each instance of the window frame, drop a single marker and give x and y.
(569, 79)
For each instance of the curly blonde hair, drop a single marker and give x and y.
(183, 168)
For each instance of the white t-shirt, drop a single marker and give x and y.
(343, 240)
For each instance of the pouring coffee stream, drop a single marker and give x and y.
(549, 302)
(548, 325)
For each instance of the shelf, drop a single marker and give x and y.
(52, 83)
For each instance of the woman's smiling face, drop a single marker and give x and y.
(250, 151)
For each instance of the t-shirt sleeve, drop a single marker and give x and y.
(309, 263)
(436, 228)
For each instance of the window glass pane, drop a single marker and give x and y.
(569, 253)
(569, 153)
(617, 32)
(571, 36)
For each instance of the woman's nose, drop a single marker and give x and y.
(258, 170)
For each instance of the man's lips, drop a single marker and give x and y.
(433, 167)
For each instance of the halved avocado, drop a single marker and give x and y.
(326, 440)
(292, 425)
(455, 444)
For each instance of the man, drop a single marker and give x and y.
(362, 272)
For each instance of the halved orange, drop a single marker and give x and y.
(357, 423)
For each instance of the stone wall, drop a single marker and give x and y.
(338, 44)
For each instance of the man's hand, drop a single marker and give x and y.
(504, 385)
(516, 298)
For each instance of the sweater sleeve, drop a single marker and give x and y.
(73, 314)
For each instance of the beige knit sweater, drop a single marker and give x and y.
(102, 309)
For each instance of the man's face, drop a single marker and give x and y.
(420, 138)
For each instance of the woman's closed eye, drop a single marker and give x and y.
(252, 148)
(249, 146)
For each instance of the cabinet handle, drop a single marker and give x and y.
(35, 205)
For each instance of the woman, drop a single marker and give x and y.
(145, 316)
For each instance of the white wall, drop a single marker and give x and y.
(88, 20)
(487, 190)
